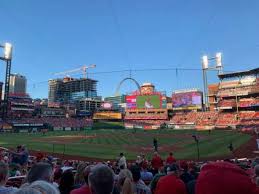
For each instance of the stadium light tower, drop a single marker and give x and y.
(7, 57)
(205, 67)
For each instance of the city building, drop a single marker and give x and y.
(79, 92)
(70, 90)
(116, 101)
(18, 85)
(87, 106)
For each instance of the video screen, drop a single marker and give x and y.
(150, 101)
(131, 101)
(187, 99)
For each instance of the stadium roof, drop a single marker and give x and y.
(238, 73)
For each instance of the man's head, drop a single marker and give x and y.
(121, 154)
(101, 180)
(135, 170)
(3, 173)
(40, 171)
(171, 154)
(173, 169)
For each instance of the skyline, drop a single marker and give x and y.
(117, 35)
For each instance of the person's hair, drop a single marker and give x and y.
(27, 190)
(101, 179)
(86, 173)
(135, 170)
(3, 171)
(40, 171)
(170, 153)
(121, 154)
(45, 187)
(125, 174)
(127, 187)
(79, 176)
(66, 181)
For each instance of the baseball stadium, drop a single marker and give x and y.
(180, 123)
(174, 125)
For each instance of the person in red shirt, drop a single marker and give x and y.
(85, 188)
(224, 178)
(171, 183)
(156, 162)
(170, 159)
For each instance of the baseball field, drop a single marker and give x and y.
(107, 144)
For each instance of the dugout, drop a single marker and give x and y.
(28, 127)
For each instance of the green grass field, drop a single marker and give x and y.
(107, 144)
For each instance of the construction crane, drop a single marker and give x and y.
(84, 69)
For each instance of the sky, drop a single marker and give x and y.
(54, 36)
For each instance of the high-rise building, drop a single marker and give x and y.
(116, 100)
(70, 90)
(18, 84)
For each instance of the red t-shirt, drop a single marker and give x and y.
(170, 160)
(82, 190)
(157, 162)
(170, 184)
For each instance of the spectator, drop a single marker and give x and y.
(84, 189)
(161, 173)
(21, 155)
(44, 187)
(122, 163)
(224, 178)
(144, 163)
(66, 182)
(27, 190)
(40, 171)
(145, 175)
(185, 176)
(57, 177)
(170, 159)
(139, 161)
(139, 186)
(101, 180)
(3, 179)
(156, 162)
(171, 184)
(80, 176)
(125, 184)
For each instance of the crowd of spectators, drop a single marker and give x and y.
(247, 119)
(145, 122)
(57, 122)
(42, 174)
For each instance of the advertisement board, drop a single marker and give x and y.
(107, 115)
(149, 101)
(131, 101)
(187, 99)
(106, 105)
